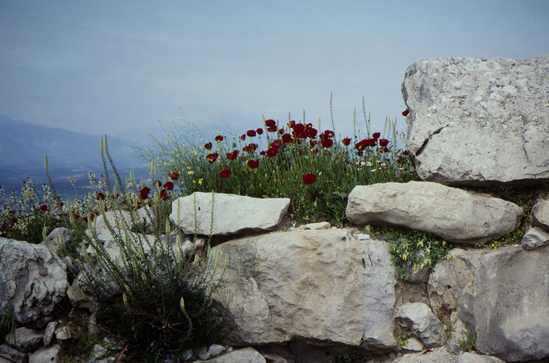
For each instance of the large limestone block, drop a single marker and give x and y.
(503, 295)
(30, 280)
(324, 287)
(453, 214)
(231, 213)
(478, 120)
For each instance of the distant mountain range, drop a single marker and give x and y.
(23, 147)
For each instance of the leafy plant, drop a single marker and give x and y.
(412, 249)
(469, 340)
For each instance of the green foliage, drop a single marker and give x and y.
(469, 340)
(412, 249)
(7, 321)
(83, 349)
(227, 164)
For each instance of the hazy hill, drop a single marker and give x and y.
(23, 147)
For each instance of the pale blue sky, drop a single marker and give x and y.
(101, 67)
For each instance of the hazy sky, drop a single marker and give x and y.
(112, 66)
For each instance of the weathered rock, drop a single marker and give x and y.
(9, 354)
(212, 351)
(453, 214)
(53, 354)
(24, 339)
(232, 214)
(32, 281)
(414, 345)
(540, 214)
(246, 355)
(534, 238)
(59, 236)
(48, 334)
(312, 286)
(441, 356)
(477, 121)
(66, 336)
(118, 220)
(503, 295)
(420, 321)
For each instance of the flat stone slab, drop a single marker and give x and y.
(477, 121)
(453, 214)
(232, 214)
(311, 286)
(503, 295)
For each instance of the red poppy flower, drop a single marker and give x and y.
(346, 141)
(316, 151)
(212, 157)
(225, 173)
(219, 138)
(385, 150)
(158, 183)
(312, 132)
(405, 112)
(233, 155)
(272, 152)
(405, 152)
(250, 133)
(144, 192)
(312, 143)
(276, 144)
(383, 142)
(262, 153)
(272, 129)
(259, 131)
(243, 137)
(250, 148)
(298, 129)
(360, 153)
(372, 142)
(173, 176)
(308, 179)
(291, 124)
(164, 195)
(253, 163)
(329, 133)
(281, 131)
(43, 207)
(100, 196)
(362, 144)
(286, 138)
(303, 135)
(168, 186)
(327, 143)
(208, 146)
(270, 123)
(376, 135)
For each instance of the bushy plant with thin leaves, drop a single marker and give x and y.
(153, 298)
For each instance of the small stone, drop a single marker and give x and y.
(413, 345)
(9, 354)
(53, 354)
(213, 351)
(66, 336)
(48, 334)
(535, 237)
(24, 340)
